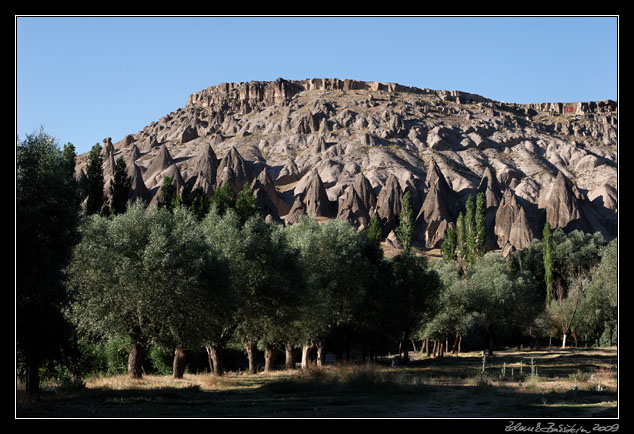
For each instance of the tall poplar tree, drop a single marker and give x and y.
(245, 204)
(480, 225)
(461, 244)
(47, 215)
(449, 245)
(374, 231)
(69, 156)
(470, 233)
(120, 187)
(547, 249)
(94, 181)
(405, 230)
(168, 194)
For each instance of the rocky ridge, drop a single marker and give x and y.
(348, 149)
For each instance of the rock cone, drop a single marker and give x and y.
(437, 211)
(512, 229)
(316, 199)
(353, 210)
(205, 170)
(365, 192)
(563, 209)
(389, 204)
(233, 170)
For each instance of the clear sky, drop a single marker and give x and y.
(86, 78)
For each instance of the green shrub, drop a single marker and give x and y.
(92, 359)
(162, 361)
(116, 353)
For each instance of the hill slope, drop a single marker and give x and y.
(308, 145)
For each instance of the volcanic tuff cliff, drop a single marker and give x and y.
(348, 149)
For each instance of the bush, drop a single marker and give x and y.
(162, 361)
(116, 354)
(92, 358)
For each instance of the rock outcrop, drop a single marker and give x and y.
(389, 204)
(315, 197)
(159, 164)
(177, 180)
(205, 170)
(364, 191)
(353, 210)
(438, 209)
(138, 190)
(233, 170)
(563, 208)
(267, 197)
(512, 229)
(297, 211)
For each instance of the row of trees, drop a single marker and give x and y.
(163, 278)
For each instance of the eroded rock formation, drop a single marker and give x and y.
(345, 149)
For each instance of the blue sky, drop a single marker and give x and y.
(86, 78)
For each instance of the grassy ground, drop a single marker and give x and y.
(576, 383)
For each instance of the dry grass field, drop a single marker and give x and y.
(572, 383)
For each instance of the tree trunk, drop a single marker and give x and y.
(178, 366)
(405, 351)
(135, 360)
(289, 362)
(321, 353)
(454, 348)
(459, 343)
(251, 355)
(434, 351)
(306, 348)
(427, 349)
(490, 344)
(215, 360)
(563, 341)
(32, 378)
(268, 358)
(414, 346)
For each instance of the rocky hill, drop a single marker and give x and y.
(348, 149)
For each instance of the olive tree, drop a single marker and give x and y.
(564, 311)
(145, 276)
(334, 263)
(452, 317)
(600, 305)
(264, 277)
(496, 293)
(414, 290)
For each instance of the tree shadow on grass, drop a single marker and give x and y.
(451, 387)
